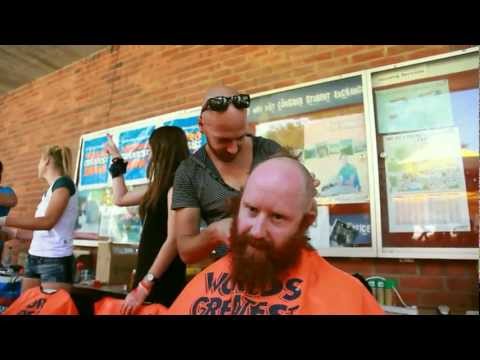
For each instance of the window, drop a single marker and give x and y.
(427, 127)
(325, 122)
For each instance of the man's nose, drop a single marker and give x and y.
(258, 228)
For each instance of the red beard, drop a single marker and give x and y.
(266, 268)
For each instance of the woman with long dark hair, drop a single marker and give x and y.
(160, 273)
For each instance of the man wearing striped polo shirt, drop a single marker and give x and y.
(216, 172)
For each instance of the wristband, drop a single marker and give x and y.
(118, 167)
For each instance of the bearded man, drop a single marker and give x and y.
(271, 268)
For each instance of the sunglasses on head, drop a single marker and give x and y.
(220, 103)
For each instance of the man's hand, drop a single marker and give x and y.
(134, 299)
(219, 231)
(111, 148)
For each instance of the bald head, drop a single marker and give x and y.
(284, 175)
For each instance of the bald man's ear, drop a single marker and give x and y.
(311, 214)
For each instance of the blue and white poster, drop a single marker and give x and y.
(350, 230)
(133, 145)
(94, 160)
(190, 125)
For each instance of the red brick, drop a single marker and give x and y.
(347, 50)
(430, 51)
(459, 268)
(231, 79)
(169, 51)
(303, 51)
(386, 61)
(422, 282)
(364, 267)
(459, 47)
(393, 266)
(453, 300)
(433, 268)
(397, 49)
(368, 55)
(305, 70)
(318, 57)
(351, 68)
(409, 297)
(463, 284)
(234, 61)
(257, 73)
(280, 84)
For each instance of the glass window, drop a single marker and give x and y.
(99, 217)
(325, 122)
(427, 123)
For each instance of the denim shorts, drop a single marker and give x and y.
(48, 269)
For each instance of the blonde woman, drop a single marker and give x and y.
(50, 261)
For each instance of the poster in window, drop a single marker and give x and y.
(350, 230)
(190, 125)
(414, 107)
(336, 152)
(288, 132)
(133, 145)
(94, 160)
(425, 182)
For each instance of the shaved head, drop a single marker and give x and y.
(220, 90)
(270, 223)
(284, 173)
(225, 130)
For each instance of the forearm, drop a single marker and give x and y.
(29, 223)
(16, 233)
(194, 248)
(119, 190)
(165, 256)
(23, 234)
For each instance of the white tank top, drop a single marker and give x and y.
(57, 242)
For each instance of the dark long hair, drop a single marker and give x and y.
(169, 149)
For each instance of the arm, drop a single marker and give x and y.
(192, 244)
(168, 251)
(8, 199)
(195, 245)
(165, 256)
(55, 209)
(121, 195)
(15, 233)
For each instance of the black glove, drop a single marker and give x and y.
(118, 167)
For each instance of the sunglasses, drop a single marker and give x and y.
(220, 103)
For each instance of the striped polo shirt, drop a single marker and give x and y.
(198, 184)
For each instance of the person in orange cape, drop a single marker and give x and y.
(271, 269)
(40, 301)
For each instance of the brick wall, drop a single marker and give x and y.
(129, 83)
(425, 283)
